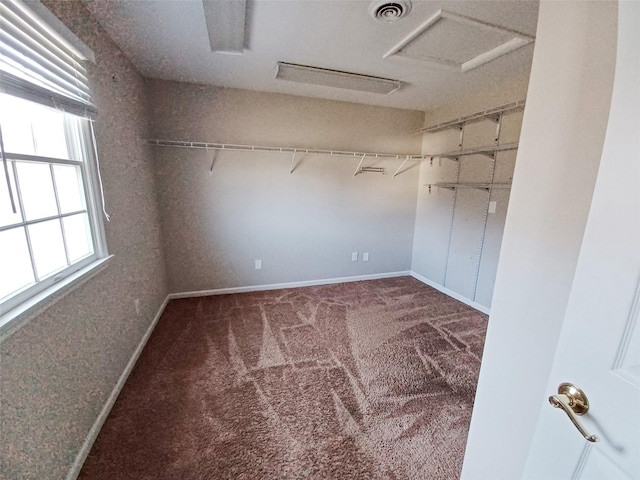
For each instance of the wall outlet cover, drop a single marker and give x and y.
(365, 257)
(258, 264)
(354, 257)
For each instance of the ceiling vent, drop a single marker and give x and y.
(389, 12)
(335, 78)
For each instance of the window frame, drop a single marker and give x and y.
(22, 62)
(81, 146)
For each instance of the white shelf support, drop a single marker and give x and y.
(359, 164)
(211, 156)
(406, 159)
(293, 162)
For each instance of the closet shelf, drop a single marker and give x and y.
(479, 150)
(483, 186)
(457, 122)
(293, 150)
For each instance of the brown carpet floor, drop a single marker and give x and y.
(363, 380)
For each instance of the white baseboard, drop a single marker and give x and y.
(106, 409)
(451, 293)
(277, 286)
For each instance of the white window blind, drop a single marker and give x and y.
(38, 65)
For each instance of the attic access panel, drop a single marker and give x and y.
(458, 42)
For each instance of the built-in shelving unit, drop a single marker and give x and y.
(468, 215)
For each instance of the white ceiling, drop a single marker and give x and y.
(168, 39)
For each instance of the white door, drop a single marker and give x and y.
(599, 347)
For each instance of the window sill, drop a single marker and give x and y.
(16, 318)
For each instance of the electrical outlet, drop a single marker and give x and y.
(258, 264)
(354, 257)
(492, 207)
(365, 257)
(136, 303)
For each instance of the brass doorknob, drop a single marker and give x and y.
(574, 402)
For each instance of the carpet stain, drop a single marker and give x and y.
(362, 380)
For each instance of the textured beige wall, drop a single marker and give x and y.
(302, 226)
(187, 111)
(471, 102)
(58, 370)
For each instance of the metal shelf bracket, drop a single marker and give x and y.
(358, 170)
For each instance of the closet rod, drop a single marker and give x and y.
(474, 116)
(293, 150)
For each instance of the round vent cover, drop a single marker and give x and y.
(389, 11)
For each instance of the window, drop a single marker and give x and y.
(50, 222)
